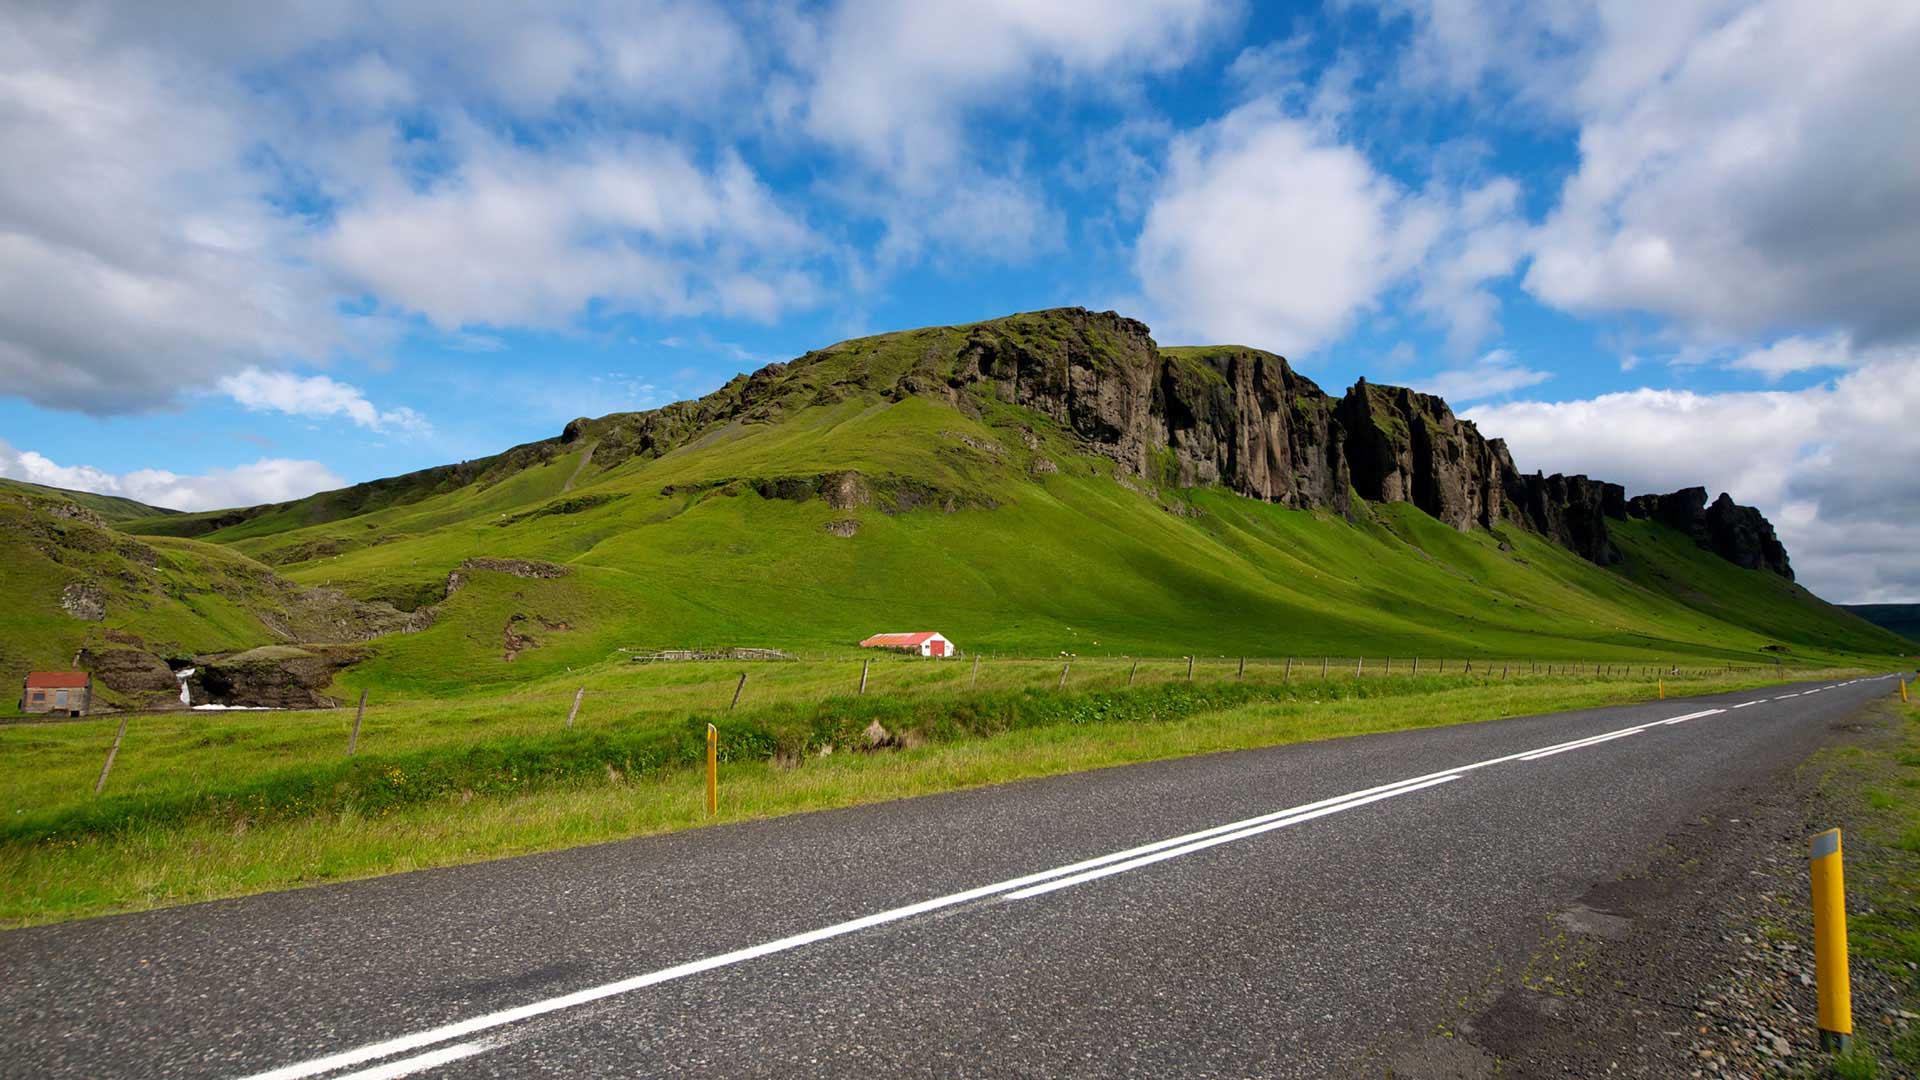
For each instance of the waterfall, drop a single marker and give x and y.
(186, 694)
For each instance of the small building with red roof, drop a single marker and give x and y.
(69, 692)
(924, 643)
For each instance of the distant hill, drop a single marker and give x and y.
(110, 507)
(1902, 619)
(1045, 483)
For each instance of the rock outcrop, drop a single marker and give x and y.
(1739, 534)
(1225, 415)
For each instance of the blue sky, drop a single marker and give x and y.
(249, 255)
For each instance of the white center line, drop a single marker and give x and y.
(1020, 888)
(1693, 716)
(446, 1055)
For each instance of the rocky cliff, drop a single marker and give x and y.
(1228, 415)
(1738, 534)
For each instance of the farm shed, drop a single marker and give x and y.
(925, 643)
(69, 692)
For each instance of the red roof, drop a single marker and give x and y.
(56, 680)
(896, 641)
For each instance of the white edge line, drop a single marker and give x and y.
(1161, 856)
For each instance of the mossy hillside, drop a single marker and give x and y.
(707, 523)
(170, 595)
(107, 507)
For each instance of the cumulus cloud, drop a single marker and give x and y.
(515, 237)
(1830, 465)
(1493, 374)
(1267, 229)
(137, 252)
(264, 481)
(315, 396)
(1746, 168)
(894, 82)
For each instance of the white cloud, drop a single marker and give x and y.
(1268, 230)
(1789, 355)
(1493, 374)
(315, 396)
(264, 481)
(1829, 464)
(1746, 168)
(894, 82)
(137, 252)
(514, 237)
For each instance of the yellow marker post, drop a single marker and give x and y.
(713, 770)
(1830, 942)
(1663, 689)
(1903, 689)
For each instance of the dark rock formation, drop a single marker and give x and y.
(1739, 534)
(1570, 510)
(273, 677)
(143, 679)
(1178, 417)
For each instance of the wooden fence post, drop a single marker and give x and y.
(863, 673)
(113, 750)
(1243, 669)
(353, 740)
(736, 692)
(1389, 665)
(1287, 675)
(1323, 667)
(1189, 669)
(1469, 667)
(1358, 666)
(575, 711)
(1131, 670)
(1416, 665)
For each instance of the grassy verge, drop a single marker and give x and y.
(232, 831)
(1882, 779)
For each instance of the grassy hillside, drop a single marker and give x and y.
(862, 488)
(106, 507)
(1902, 619)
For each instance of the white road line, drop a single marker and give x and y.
(1583, 745)
(1784, 697)
(1173, 853)
(1693, 716)
(419, 1040)
(1744, 704)
(446, 1055)
(1014, 888)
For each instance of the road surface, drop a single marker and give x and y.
(1275, 912)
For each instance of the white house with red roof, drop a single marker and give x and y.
(925, 643)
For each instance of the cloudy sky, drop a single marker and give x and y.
(252, 251)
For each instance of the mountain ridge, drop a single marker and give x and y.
(1179, 417)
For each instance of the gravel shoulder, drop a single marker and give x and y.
(1699, 962)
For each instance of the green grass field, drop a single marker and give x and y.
(200, 806)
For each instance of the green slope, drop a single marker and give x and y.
(107, 507)
(721, 522)
(1902, 619)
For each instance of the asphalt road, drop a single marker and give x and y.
(1276, 912)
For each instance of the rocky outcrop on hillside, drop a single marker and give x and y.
(1231, 416)
(1739, 534)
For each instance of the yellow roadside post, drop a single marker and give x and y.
(1663, 689)
(1830, 942)
(1903, 689)
(713, 770)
